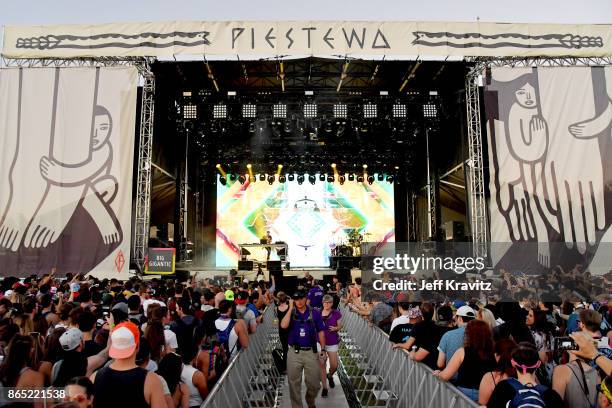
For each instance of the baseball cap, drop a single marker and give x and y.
(414, 313)
(71, 339)
(299, 294)
(229, 295)
(124, 340)
(242, 297)
(122, 306)
(445, 314)
(466, 311)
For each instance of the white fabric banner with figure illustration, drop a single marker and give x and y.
(550, 161)
(66, 157)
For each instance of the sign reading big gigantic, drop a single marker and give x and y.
(66, 154)
(318, 38)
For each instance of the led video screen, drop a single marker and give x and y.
(314, 220)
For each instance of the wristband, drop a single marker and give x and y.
(597, 356)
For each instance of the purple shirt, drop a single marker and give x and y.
(303, 330)
(331, 337)
(315, 295)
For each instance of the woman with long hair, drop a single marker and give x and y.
(471, 361)
(170, 368)
(15, 370)
(503, 370)
(154, 331)
(52, 354)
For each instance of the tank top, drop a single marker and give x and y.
(575, 393)
(124, 388)
(195, 400)
(472, 369)
(221, 324)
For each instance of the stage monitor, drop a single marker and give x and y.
(311, 218)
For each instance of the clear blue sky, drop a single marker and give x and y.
(87, 11)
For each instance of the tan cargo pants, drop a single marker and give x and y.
(308, 362)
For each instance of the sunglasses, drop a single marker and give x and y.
(78, 398)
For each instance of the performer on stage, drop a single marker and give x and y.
(267, 239)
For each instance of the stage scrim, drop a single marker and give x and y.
(550, 156)
(66, 157)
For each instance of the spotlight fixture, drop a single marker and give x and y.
(223, 180)
(249, 166)
(232, 177)
(249, 110)
(282, 178)
(330, 178)
(370, 179)
(351, 177)
(399, 111)
(262, 177)
(219, 111)
(341, 180)
(333, 165)
(429, 111)
(312, 179)
(365, 166)
(321, 177)
(380, 176)
(218, 166)
(270, 180)
(390, 179)
(300, 179)
(279, 111)
(190, 111)
(310, 110)
(291, 177)
(252, 179)
(340, 110)
(360, 178)
(242, 179)
(370, 111)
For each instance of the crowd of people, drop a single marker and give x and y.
(155, 343)
(506, 353)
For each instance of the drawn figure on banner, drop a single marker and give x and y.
(95, 175)
(521, 145)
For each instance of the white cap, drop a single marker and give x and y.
(71, 339)
(466, 311)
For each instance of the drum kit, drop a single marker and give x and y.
(353, 246)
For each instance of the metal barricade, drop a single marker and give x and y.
(251, 378)
(382, 376)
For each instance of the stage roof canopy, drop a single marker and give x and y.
(336, 39)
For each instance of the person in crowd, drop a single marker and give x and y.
(15, 369)
(515, 323)
(605, 394)
(503, 370)
(590, 324)
(445, 318)
(155, 333)
(134, 312)
(452, 340)
(196, 381)
(355, 292)
(81, 391)
(305, 326)
(519, 391)
(245, 313)
(486, 316)
(87, 325)
(471, 361)
(576, 382)
(170, 369)
(52, 354)
(541, 332)
(381, 315)
(136, 386)
(315, 295)
(401, 327)
(184, 325)
(232, 333)
(74, 363)
(281, 310)
(587, 350)
(425, 337)
(332, 322)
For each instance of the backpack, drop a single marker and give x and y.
(526, 396)
(223, 337)
(217, 360)
(253, 309)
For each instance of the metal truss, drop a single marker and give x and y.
(475, 163)
(412, 218)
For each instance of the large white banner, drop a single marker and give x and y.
(550, 161)
(253, 40)
(66, 156)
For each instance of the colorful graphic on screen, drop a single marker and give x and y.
(314, 220)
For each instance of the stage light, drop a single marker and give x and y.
(300, 179)
(218, 165)
(232, 177)
(360, 178)
(341, 180)
(330, 178)
(249, 166)
(380, 176)
(370, 179)
(340, 110)
(252, 178)
(249, 110)
(219, 111)
(370, 110)
(252, 127)
(291, 177)
(287, 127)
(430, 111)
(270, 180)
(321, 177)
(279, 111)
(242, 179)
(399, 111)
(312, 179)
(310, 110)
(351, 177)
(282, 178)
(365, 166)
(390, 179)
(280, 166)
(262, 177)
(190, 111)
(333, 165)
(328, 126)
(223, 180)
